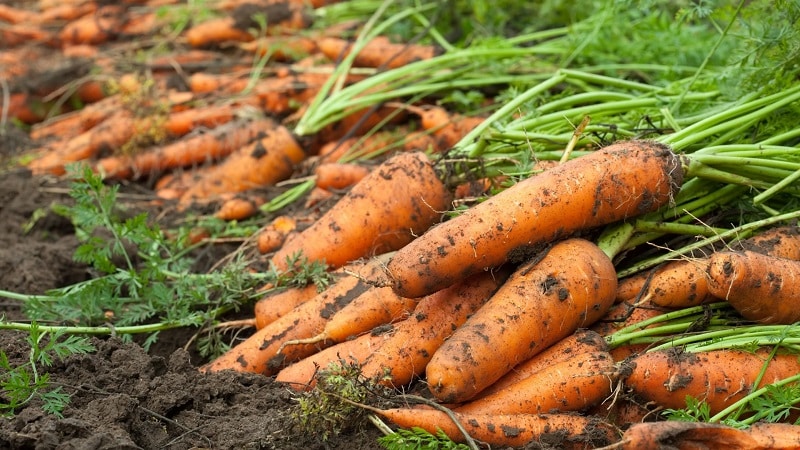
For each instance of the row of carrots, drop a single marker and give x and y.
(507, 311)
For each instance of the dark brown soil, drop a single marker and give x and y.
(122, 396)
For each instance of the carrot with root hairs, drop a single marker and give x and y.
(259, 352)
(580, 381)
(581, 341)
(709, 436)
(564, 431)
(276, 305)
(622, 180)
(397, 201)
(544, 301)
(406, 353)
(717, 377)
(760, 287)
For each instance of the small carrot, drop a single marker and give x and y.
(620, 181)
(564, 431)
(378, 53)
(718, 377)
(397, 201)
(270, 158)
(316, 197)
(581, 341)
(709, 436)
(543, 302)
(276, 305)
(237, 208)
(447, 128)
(217, 31)
(282, 48)
(95, 28)
(339, 175)
(272, 237)
(181, 123)
(760, 287)
(578, 382)
(375, 144)
(259, 352)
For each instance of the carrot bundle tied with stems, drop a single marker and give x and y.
(397, 201)
(620, 181)
(544, 301)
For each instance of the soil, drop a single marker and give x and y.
(121, 396)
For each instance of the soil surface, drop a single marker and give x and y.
(122, 396)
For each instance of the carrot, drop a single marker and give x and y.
(181, 123)
(271, 237)
(413, 342)
(339, 175)
(25, 33)
(580, 342)
(375, 143)
(259, 352)
(564, 431)
(397, 201)
(238, 208)
(264, 162)
(719, 377)
(15, 15)
(710, 436)
(301, 375)
(210, 146)
(760, 287)
(357, 122)
(622, 315)
(215, 32)
(447, 128)
(282, 48)
(621, 411)
(276, 305)
(316, 197)
(543, 302)
(619, 181)
(580, 381)
(65, 12)
(780, 242)
(95, 28)
(378, 53)
(629, 288)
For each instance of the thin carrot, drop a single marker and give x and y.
(709, 436)
(543, 302)
(270, 158)
(581, 341)
(11, 14)
(215, 32)
(181, 123)
(397, 201)
(578, 382)
(760, 287)
(378, 53)
(413, 342)
(622, 180)
(718, 377)
(447, 128)
(259, 352)
(238, 208)
(565, 431)
(282, 48)
(276, 305)
(339, 175)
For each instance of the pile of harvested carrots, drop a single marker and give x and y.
(511, 311)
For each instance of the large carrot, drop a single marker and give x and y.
(719, 377)
(543, 302)
(398, 200)
(564, 431)
(760, 287)
(259, 352)
(406, 353)
(267, 160)
(274, 306)
(620, 181)
(709, 436)
(580, 381)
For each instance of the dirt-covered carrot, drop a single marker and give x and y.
(272, 237)
(580, 342)
(378, 53)
(578, 382)
(274, 306)
(710, 436)
(339, 175)
(399, 200)
(259, 352)
(718, 377)
(623, 315)
(620, 181)
(406, 353)
(270, 158)
(238, 208)
(564, 431)
(544, 301)
(760, 287)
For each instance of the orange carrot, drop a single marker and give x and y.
(413, 342)
(15, 15)
(210, 146)
(375, 143)
(781, 242)
(276, 305)
(719, 377)
(622, 315)
(180, 123)
(273, 236)
(238, 208)
(543, 302)
(580, 381)
(760, 287)
(25, 33)
(264, 162)
(620, 181)
(217, 31)
(259, 352)
(397, 201)
(581, 342)
(282, 48)
(563, 431)
(378, 53)
(339, 175)
(709, 436)
(316, 197)
(447, 128)
(95, 28)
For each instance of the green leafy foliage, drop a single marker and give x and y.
(419, 439)
(23, 383)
